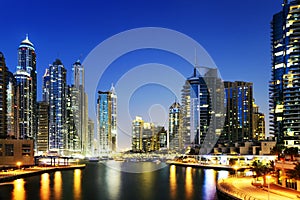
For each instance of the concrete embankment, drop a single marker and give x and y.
(23, 173)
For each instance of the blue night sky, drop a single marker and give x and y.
(236, 34)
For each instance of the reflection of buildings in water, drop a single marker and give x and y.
(44, 189)
(209, 184)
(188, 182)
(223, 174)
(113, 179)
(57, 185)
(147, 181)
(19, 192)
(77, 184)
(173, 184)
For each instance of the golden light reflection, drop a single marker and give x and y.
(173, 186)
(45, 187)
(77, 184)
(188, 182)
(57, 185)
(19, 192)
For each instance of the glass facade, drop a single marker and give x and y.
(57, 107)
(175, 134)
(3, 98)
(107, 121)
(284, 94)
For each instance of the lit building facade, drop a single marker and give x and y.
(42, 127)
(79, 108)
(107, 121)
(284, 85)
(239, 110)
(3, 97)
(258, 124)
(57, 107)
(46, 85)
(175, 141)
(202, 107)
(91, 138)
(25, 114)
(137, 134)
(27, 89)
(12, 108)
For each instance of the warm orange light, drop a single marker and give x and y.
(19, 164)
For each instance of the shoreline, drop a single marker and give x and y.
(16, 174)
(208, 166)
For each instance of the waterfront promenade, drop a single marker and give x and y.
(242, 188)
(9, 175)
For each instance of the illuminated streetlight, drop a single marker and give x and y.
(77, 161)
(19, 164)
(236, 168)
(268, 180)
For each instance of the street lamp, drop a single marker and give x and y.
(19, 164)
(236, 168)
(268, 179)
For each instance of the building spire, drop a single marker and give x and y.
(196, 64)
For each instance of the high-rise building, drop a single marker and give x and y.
(147, 137)
(239, 111)
(137, 134)
(42, 127)
(25, 114)
(175, 141)
(72, 142)
(80, 106)
(57, 107)
(3, 97)
(258, 124)
(12, 108)
(107, 121)
(46, 85)
(284, 85)
(91, 138)
(27, 89)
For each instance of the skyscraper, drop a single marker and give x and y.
(284, 92)
(239, 111)
(3, 95)
(46, 85)
(137, 134)
(196, 108)
(57, 107)
(42, 127)
(12, 108)
(175, 141)
(258, 124)
(27, 91)
(80, 106)
(107, 121)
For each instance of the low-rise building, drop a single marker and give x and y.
(14, 152)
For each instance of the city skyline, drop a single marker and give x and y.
(248, 32)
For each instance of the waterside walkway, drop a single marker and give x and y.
(242, 188)
(10, 175)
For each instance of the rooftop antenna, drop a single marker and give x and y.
(26, 36)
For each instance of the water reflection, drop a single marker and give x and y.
(173, 186)
(188, 182)
(113, 179)
(209, 187)
(77, 184)
(147, 181)
(57, 185)
(45, 183)
(19, 192)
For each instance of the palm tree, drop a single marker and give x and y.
(295, 173)
(277, 150)
(292, 151)
(261, 169)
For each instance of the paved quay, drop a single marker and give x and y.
(10, 175)
(242, 188)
